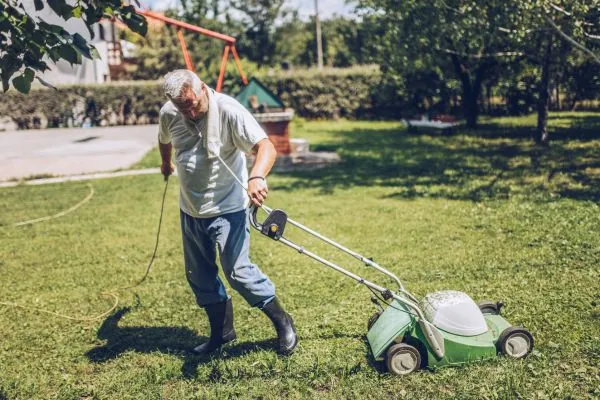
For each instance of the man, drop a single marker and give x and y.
(207, 129)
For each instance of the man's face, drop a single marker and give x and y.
(191, 106)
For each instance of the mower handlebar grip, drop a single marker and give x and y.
(253, 220)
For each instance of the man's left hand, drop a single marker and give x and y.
(258, 191)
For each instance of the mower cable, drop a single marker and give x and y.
(60, 214)
(108, 293)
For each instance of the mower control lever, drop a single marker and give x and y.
(273, 226)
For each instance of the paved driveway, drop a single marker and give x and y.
(73, 151)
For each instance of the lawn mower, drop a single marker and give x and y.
(444, 328)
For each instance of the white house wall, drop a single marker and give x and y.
(62, 73)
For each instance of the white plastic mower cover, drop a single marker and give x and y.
(454, 312)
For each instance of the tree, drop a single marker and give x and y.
(571, 26)
(293, 39)
(462, 36)
(27, 42)
(197, 11)
(258, 18)
(155, 54)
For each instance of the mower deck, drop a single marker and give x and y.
(396, 324)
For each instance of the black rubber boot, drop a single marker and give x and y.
(220, 317)
(284, 325)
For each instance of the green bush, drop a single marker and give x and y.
(358, 92)
(108, 104)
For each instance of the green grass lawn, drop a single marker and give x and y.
(482, 211)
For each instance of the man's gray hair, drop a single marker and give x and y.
(178, 79)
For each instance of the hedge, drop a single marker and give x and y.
(354, 93)
(107, 104)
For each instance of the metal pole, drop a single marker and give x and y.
(354, 254)
(193, 28)
(428, 328)
(319, 44)
(186, 55)
(239, 65)
(223, 65)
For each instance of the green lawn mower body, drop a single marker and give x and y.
(397, 325)
(444, 328)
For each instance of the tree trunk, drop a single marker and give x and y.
(489, 98)
(470, 90)
(541, 133)
(470, 107)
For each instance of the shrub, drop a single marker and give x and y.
(358, 92)
(109, 104)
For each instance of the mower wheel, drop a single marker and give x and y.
(402, 359)
(489, 307)
(515, 342)
(372, 320)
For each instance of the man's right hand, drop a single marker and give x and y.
(167, 169)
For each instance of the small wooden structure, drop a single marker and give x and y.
(270, 112)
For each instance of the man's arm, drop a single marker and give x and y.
(167, 167)
(257, 184)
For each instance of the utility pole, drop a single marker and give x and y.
(319, 43)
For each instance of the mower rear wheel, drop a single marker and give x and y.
(489, 307)
(515, 342)
(373, 319)
(402, 359)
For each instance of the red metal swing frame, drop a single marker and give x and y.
(229, 45)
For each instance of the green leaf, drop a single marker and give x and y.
(134, 21)
(61, 8)
(69, 53)
(38, 5)
(76, 12)
(81, 45)
(54, 54)
(21, 84)
(29, 75)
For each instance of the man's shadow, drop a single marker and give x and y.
(170, 340)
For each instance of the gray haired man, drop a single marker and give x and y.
(214, 206)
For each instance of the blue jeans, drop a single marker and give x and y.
(230, 235)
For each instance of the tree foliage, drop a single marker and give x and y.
(258, 17)
(28, 43)
(462, 39)
(479, 40)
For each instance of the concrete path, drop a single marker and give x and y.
(73, 151)
(79, 178)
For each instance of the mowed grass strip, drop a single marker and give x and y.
(482, 211)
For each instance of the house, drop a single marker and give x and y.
(109, 67)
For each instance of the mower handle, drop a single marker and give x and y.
(253, 221)
(266, 231)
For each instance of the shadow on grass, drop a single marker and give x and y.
(489, 163)
(561, 127)
(170, 340)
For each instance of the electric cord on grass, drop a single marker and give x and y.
(60, 214)
(110, 293)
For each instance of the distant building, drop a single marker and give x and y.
(109, 67)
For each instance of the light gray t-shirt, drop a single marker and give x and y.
(207, 189)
